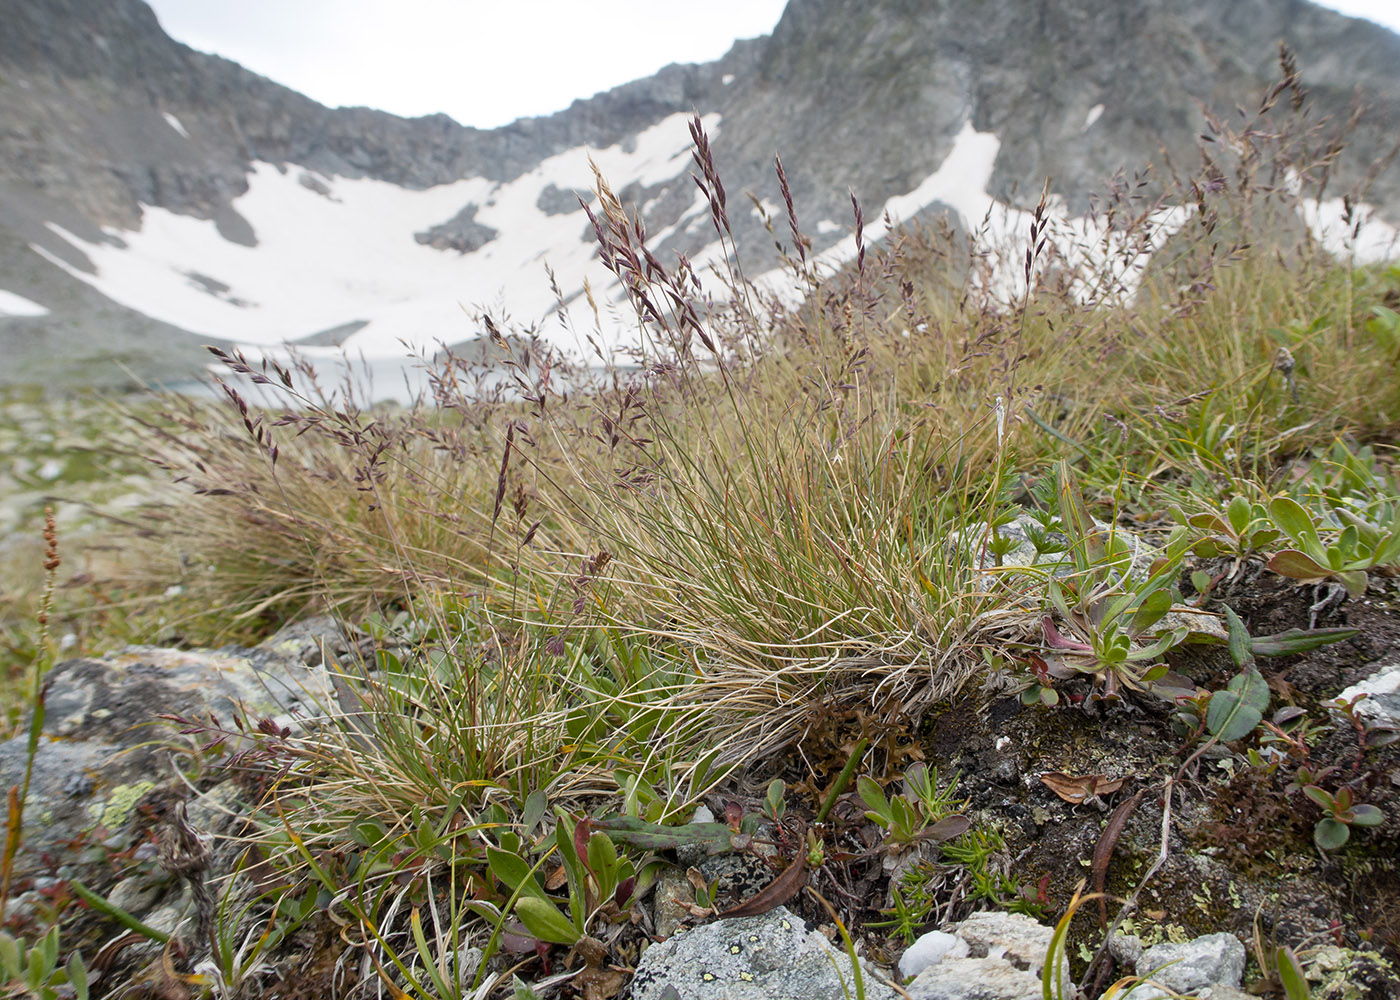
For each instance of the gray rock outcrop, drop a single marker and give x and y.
(109, 767)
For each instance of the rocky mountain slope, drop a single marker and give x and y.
(153, 198)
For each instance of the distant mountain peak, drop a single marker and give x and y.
(148, 189)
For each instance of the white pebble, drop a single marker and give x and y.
(930, 949)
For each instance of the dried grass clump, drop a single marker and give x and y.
(771, 491)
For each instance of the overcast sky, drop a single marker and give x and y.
(484, 63)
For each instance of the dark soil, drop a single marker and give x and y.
(1239, 856)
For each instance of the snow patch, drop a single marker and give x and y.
(727, 79)
(1092, 116)
(17, 305)
(827, 227)
(1362, 237)
(1088, 248)
(766, 209)
(174, 123)
(327, 257)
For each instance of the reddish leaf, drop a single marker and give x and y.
(1055, 640)
(1103, 850)
(1298, 566)
(775, 893)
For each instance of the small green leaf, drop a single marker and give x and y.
(1155, 673)
(874, 798)
(514, 872)
(1297, 566)
(543, 919)
(1367, 815)
(34, 971)
(77, 975)
(1297, 640)
(9, 956)
(1355, 581)
(1238, 512)
(1290, 974)
(536, 804)
(1348, 543)
(1164, 642)
(1329, 834)
(903, 820)
(1296, 523)
(602, 856)
(775, 797)
(49, 942)
(368, 831)
(1234, 712)
(1319, 795)
(1153, 609)
(1239, 638)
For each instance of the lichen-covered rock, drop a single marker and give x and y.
(104, 769)
(768, 957)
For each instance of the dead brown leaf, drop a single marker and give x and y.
(1075, 789)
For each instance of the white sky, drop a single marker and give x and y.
(484, 63)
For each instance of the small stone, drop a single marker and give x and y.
(1126, 949)
(78, 786)
(673, 891)
(135, 894)
(930, 949)
(1212, 960)
(1014, 936)
(1380, 694)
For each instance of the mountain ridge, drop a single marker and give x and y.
(104, 120)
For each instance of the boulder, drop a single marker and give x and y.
(107, 769)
